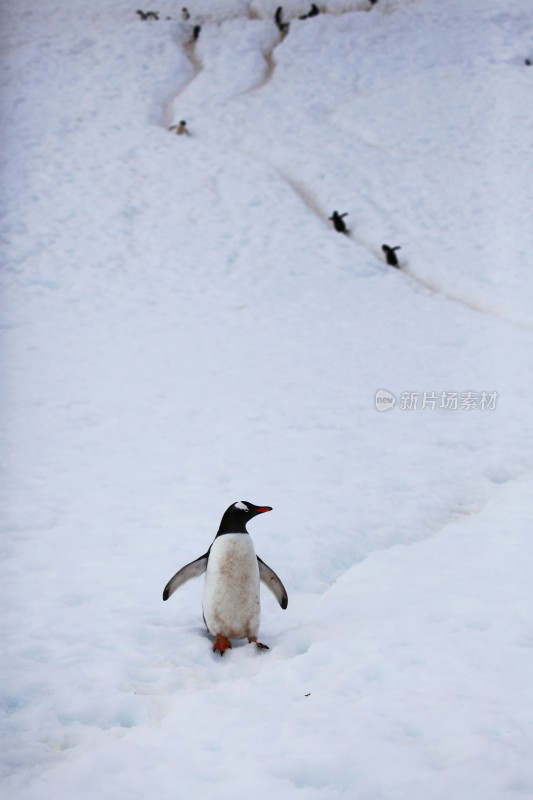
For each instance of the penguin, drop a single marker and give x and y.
(527, 62)
(390, 255)
(181, 128)
(185, 15)
(338, 221)
(314, 11)
(283, 27)
(196, 33)
(148, 14)
(231, 604)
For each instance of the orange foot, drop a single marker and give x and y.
(221, 644)
(260, 645)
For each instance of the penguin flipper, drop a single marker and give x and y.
(270, 579)
(192, 570)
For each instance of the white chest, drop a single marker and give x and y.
(231, 588)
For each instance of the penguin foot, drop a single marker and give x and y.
(221, 644)
(260, 645)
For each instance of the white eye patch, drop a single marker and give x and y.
(241, 506)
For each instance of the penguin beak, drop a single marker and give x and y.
(262, 509)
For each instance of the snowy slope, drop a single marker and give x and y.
(182, 328)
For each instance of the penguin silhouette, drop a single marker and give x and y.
(144, 15)
(233, 571)
(314, 11)
(338, 221)
(283, 27)
(390, 254)
(180, 128)
(196, 32)
(185, 15)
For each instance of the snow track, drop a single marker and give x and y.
(248, 43)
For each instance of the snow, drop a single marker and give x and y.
(182, 326)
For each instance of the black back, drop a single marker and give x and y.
(390, 255)
(338, 221)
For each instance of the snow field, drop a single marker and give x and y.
(183, 329)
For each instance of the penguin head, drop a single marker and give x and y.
(238, 514)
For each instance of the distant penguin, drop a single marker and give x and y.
(314, 11)
(185, 15)
(196, 32)
(144, 15)
(283, 27)
(231, 603)
(390, 254)
(180, 128)
(338, 221)
(527, 62)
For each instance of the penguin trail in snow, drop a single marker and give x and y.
(233, 571)
(338, 221)
(390, 255)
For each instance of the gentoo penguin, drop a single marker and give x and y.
(144, 15)
(390, 255)
(181, 128)
(283, 27)
(314, 11)
(185, 15)
(233, 571)
(338, 221)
